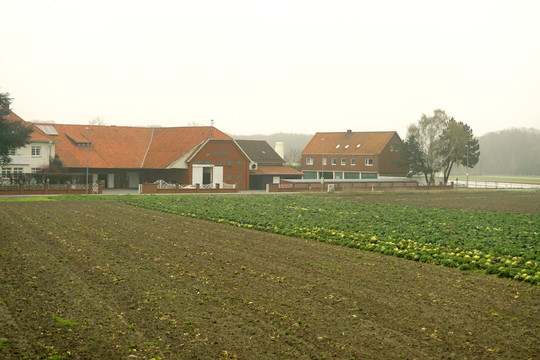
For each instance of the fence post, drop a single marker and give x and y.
(21, 189)
(46, 188)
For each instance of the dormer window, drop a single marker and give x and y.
(337, 146)
(358, 146)
(347, 146)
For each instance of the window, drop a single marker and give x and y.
(197, 162)
(207, 162)
(36, 150)
(337, 146)
(17, 171)
(239, 163)
(6, 172)
(239, 177)
(369, 162)
(229, 163)
(219, 163)
(353, 162)
(343, 161)
(309, 161)
(391, 147)
(324, 161)
(347, 146)
(357, 146)
(229, 177)
(334, 161)
(11, 152)
(34, 170)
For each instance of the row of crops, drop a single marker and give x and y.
(505, 244)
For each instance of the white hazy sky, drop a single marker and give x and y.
(261, 67)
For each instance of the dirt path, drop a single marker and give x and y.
(106, 280)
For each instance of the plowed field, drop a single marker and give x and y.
(104, 280)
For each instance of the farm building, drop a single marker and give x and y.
(124, 157)
(353, 155)
(266, 166)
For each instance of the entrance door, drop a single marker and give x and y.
(207, 175)
(133, 180)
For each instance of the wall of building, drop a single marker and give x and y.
(338, 170)
(391, 160)
(224, 153)
(23, 158)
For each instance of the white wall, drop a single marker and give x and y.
(23, 157)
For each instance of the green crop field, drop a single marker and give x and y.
(505, 244)
(342, 276)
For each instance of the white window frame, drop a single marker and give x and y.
(334, 161)
(343, 161)
(368, 162)
(17, 172)
(309, 161)
(36, 150)
(34, 170)
(12, 151)
(324, 161)
(353, 162)
(6, 172)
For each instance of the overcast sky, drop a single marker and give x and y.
(261, 67)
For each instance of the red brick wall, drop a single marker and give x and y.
(391, 162)
(360, 163)
(235, 163)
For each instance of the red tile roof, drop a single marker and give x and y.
(371, 143)
(36, 135)
(127, 147)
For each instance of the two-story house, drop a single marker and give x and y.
(353, 155)
(30, 158)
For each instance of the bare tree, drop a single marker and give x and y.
(292, 156)
(98, 120)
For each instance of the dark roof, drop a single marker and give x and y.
(260, 152)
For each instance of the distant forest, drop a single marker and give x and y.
(513, 152)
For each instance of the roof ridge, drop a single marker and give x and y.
(148, 148)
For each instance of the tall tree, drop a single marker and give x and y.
(428, 144)
(414, 157)
(437, 144)
(13, 133)
(459, 147)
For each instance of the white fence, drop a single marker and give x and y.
(476, 184)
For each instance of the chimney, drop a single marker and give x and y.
(349, 132)
(280, 149)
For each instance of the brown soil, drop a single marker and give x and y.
(103, 280)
